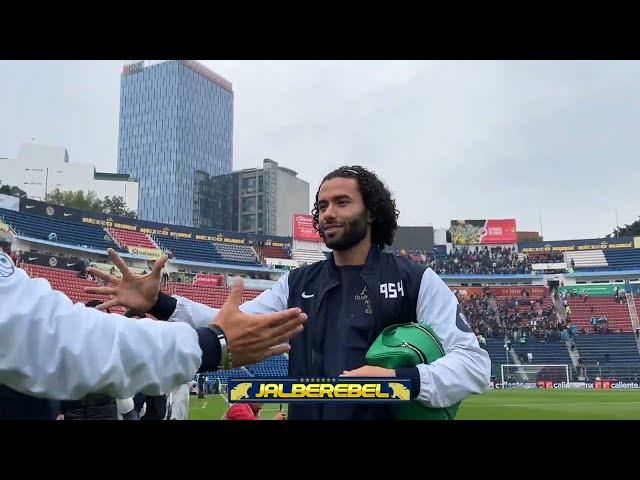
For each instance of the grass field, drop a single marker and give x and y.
(213, 407)
(496, 405)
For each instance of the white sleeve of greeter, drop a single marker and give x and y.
(198, 315)
(51, 348)
(465, 368)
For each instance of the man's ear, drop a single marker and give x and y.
(369, 217)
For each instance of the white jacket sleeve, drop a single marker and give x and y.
(198, 315)
(51, 348)
(465, 368)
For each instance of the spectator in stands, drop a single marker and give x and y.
(529, 357)
(638, 333)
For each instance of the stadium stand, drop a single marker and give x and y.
(205, 251)
(471, 260)
(58, 231)
(552, 352)
(602, 260)
(272, 252)
(68, 282)
(497, 354)
(127, 238)
(583, 310)
(240, 254)
(209, 295)
(277, 366)
(610, 356)
(308, 256)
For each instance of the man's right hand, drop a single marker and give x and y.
(138, 292)
(253, 337)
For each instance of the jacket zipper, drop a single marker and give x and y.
(432, 337)
(424, 360)
(415, 349)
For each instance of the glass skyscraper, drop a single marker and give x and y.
(176, 119)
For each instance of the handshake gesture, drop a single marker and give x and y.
(251, 337)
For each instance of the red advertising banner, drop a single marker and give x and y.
(204, 280)
(479, 232)
(466, 292)
(303, 228)
(516, 291)
(501, 231)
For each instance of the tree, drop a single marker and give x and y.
(627, 230)
(11, 190)
(79, 200)
(114, 205)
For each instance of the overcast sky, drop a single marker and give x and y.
(452, 140)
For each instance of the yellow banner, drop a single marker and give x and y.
(150, 253)
(636, 242)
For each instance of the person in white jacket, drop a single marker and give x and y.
(52, 348)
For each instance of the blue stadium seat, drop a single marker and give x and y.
(277, 366)
(622, 363)
(71, 233)
(205, 251)
(549, 352)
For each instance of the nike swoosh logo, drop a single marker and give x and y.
(67, 214)
(31, 206)
(304, 295)
(70, 264)
(32, 258)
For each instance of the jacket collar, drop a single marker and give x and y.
(370, 264)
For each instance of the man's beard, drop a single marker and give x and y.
(353, 232)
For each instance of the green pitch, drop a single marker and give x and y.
(496, 405)
(213, 407)
(552, 405)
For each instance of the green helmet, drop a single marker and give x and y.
(408, 345)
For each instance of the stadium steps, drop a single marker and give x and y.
(514, 357)
(545, 353)
(574, 356)
(495, 349)
(516, 361)
(633, 313)
(559, 306)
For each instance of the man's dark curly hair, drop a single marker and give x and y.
(377, 199)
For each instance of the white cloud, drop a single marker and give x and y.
(451, 139)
